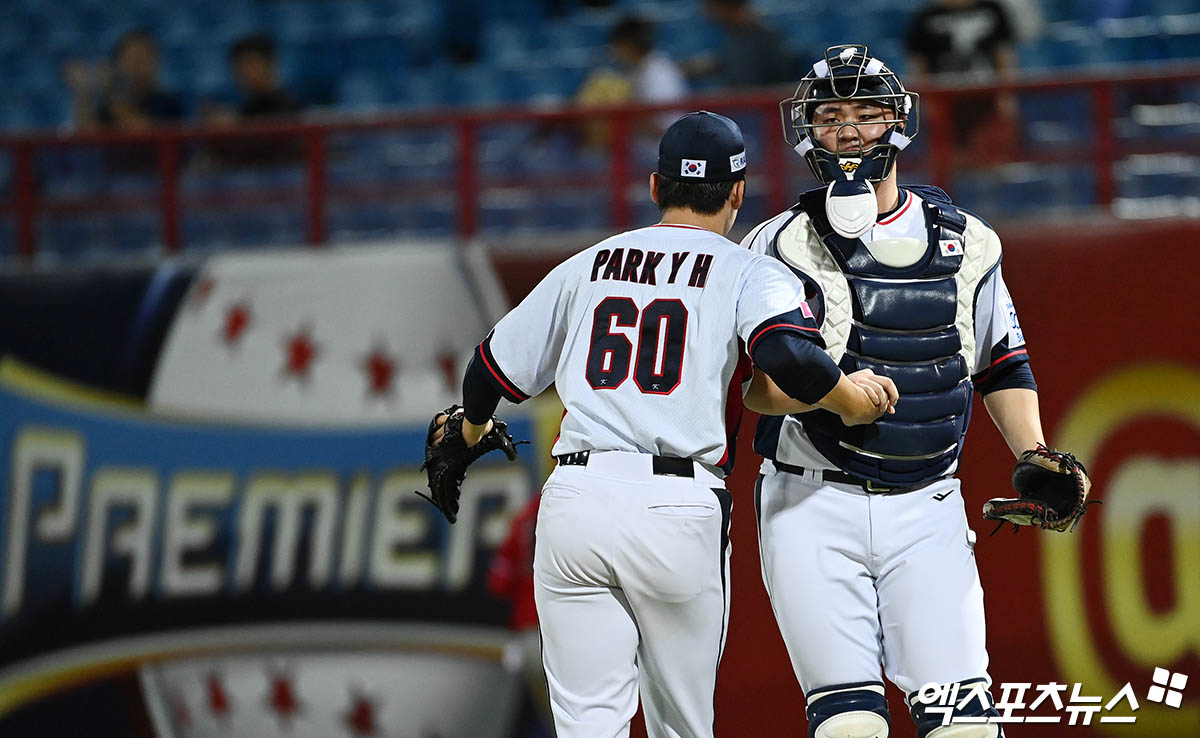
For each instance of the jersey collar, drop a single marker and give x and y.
(900, 210)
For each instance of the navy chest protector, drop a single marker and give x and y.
(904, 326)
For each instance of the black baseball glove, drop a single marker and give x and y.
(446, 462)
(1052, 487)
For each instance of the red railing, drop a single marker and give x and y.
(1103, 151)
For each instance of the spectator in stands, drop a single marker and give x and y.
(652, 74)
(644, 75)
(961, 37)
(255, 66)
(261, 94)
(125, 93)
(970, 39)
(752, 53)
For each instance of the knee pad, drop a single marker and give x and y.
(848, 711)
(933, 704)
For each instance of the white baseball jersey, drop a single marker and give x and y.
(640, 333)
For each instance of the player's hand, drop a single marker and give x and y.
(471, 432)
(882, 390)
(440, 430)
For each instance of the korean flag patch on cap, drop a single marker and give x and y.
(951, 247)
(692, 168)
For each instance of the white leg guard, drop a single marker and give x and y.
(849, 711)
(966, 700)
(859, 724)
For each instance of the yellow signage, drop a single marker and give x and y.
(1142, 486)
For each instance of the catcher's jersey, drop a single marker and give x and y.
(991, 332)
(640, 333)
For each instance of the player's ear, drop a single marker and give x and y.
(738, 194)
(654, 187)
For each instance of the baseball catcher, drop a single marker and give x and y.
(447, 456)
(1052, 488)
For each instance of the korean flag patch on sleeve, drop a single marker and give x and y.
(951, 247)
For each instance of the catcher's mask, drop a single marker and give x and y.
(848, 73)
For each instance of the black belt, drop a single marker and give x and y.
(661, 465)
(866, 485)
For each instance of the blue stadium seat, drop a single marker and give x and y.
(362, 91)
(477, 85)
(424, 89)
(511, 43)
(687, 37)
(568, 34)
(541, 84)
(135, 232)
(69, 236)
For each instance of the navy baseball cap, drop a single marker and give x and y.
(702, 147)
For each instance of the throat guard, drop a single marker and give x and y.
(851, 207)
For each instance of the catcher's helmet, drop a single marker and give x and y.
(848, 73)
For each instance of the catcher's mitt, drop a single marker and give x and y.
(446, 463)
(1053, 488)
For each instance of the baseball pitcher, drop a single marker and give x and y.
(643, 335)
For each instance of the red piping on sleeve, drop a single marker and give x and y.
(499, 378)
(779, 325)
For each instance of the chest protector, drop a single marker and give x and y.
(914, 324)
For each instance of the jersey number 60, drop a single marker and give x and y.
(660, 345)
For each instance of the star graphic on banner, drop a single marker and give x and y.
(380, 368)
(282, 697)
(218, 699)
(300, 352)
(201, 292)
(237, 320)
(360, 718)
(448, 363)
(179, 708)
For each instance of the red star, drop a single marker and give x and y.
(218, 701)
(449, 366)
(183, 718)
(237, 320)
(360, 718)
(200, 292)
(283, 698)
(380, 369)
(301, 351)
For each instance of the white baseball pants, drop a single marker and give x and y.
(861, 579)
(631, 584)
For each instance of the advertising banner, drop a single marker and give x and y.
(132, 538)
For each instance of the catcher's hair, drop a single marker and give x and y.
(702, 198)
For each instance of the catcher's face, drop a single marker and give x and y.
(850, 127)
